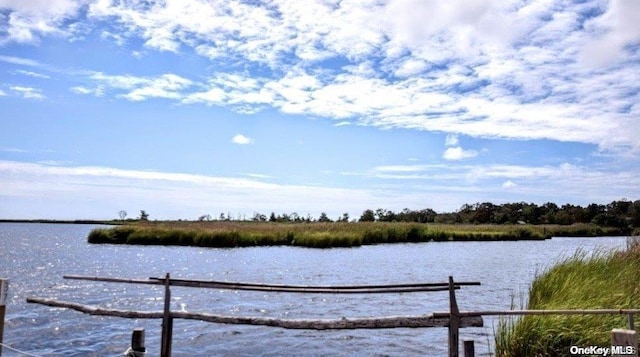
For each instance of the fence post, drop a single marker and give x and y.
(631, 323)
(4, 288)
(469, 348)
(137, 348)
(625, 343)
(454, 320)
(167, 320)
(137, 340)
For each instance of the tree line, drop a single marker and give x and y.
(622, 214)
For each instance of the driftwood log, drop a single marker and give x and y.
(307, 324)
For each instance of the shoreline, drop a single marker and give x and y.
(59, 221)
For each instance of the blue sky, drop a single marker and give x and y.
(184, 107)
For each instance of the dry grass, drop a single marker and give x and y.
(321, 235)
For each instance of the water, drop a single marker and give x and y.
(36, 256)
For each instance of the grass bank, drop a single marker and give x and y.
(604, 280)
(322, 235)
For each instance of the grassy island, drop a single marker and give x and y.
(599, 281)
(326, 234)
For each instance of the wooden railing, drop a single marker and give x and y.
(454, 320)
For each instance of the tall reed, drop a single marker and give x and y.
(321, 235)
(602, 280)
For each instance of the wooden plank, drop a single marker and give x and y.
(167, 321)
(306, 289)
(95, 310)
(454, 320)
(543, 312)
(345, 289)
(113, 280)
(336, 287)
(417, 321)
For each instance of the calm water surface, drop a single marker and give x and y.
(36, 256)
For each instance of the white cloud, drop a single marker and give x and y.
(158, 192)
(28, 20)
(241, 140)
(28, 92)
(476, 183)
(508, 184)
(20, 61)
(32, 74)
(258, 176)
(614, 30)
(135, 88)
(458, 153)
(451, 140)
(2, 93)
(84, 90)
(490, 68)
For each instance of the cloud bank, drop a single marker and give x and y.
(553, 70)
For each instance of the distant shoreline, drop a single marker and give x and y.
(59, 221)
(230, 234)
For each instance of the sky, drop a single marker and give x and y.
(184, 108)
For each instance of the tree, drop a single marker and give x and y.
(122, 214)
(144, 216)
(367, 216)
(324, 218)
(258, 217)
(204, 217)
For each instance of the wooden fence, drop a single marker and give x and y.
(453, 319)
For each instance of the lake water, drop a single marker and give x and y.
(36, 256)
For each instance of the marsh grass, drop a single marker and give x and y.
(320, 235)
(602, 280)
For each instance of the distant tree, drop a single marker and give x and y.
(344, 217)
(257, 217)
(204, 217)
(634, 213)
(272, 217)
(483, 213)
(531, 213)
(122, 214)
(324, 218)
(144, 216)
(549, 212)
(367, 216)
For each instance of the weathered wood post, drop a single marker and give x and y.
(631, 323)
(4, 293)
(454, 320)
(167, 320)
(137, 341)
(469, 348)
(624, 343)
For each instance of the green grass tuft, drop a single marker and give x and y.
(598, 281)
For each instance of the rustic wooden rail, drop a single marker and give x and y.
(307, 324)
(451, 320)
